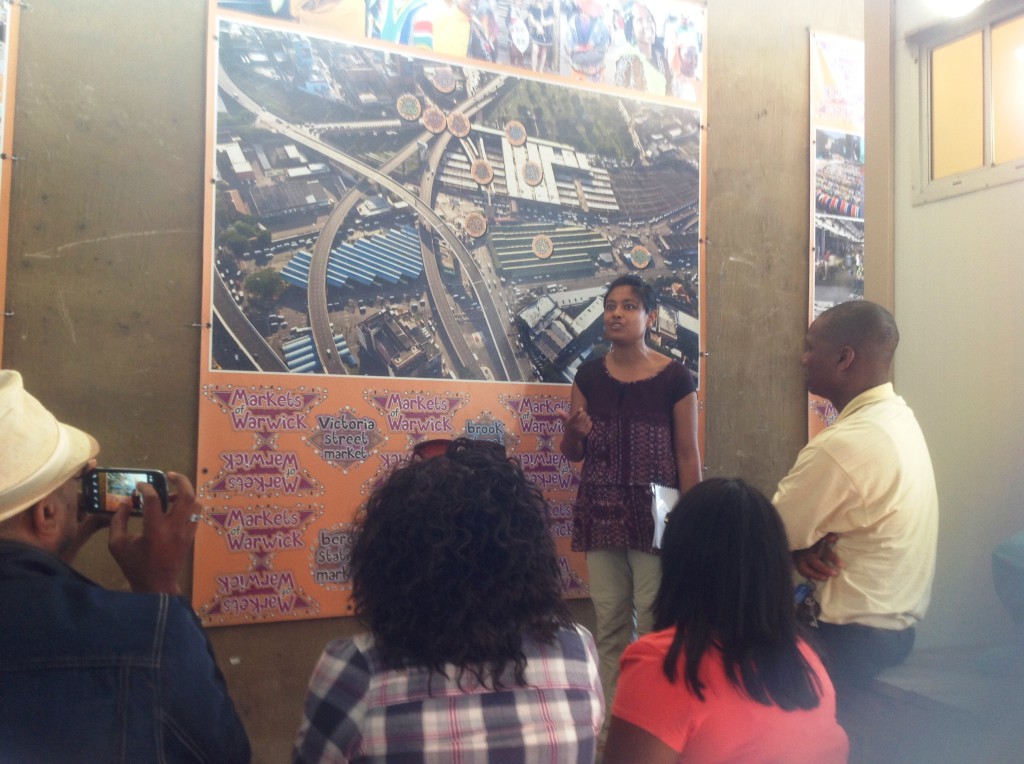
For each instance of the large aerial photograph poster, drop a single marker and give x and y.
(409, 242)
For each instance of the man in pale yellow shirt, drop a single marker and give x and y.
(860, 505)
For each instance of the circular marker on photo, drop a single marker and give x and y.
(640, 257)
(459, 124)
(542, 246)
(482, 171)
(515, 132)
(476, 224)
(409, 107)
(434, 120)
(444, 80)
(533, 173)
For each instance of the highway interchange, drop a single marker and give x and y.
(421, 204)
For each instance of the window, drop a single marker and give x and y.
(972, 96)
(1008, 90)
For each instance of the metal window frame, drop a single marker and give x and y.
(927, 189)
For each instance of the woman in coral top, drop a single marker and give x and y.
(725, 676)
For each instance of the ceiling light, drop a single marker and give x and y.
(953, 8)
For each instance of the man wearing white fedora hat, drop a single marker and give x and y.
(89, 674)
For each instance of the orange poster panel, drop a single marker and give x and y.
(286, 462)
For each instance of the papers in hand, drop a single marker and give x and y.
(663, 500)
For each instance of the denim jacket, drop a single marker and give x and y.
(91, 675)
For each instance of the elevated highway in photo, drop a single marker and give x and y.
(250, 342)
(420, 203)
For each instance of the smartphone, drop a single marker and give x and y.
(106, 488)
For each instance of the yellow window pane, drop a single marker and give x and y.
(957, 107)
(1008, 90)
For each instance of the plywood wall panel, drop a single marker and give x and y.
(758, 229)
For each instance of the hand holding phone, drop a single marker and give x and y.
(153, 560)
(105, 489)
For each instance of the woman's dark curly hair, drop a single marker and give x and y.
(453, 563)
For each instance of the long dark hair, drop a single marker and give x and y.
(454, 564)
(726, 585)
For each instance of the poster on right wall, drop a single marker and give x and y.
(837, 184)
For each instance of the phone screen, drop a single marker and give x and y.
(108, 488)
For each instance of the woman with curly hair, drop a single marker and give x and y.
(726, 675)
(471, 655)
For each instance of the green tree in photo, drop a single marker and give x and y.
(264, 286)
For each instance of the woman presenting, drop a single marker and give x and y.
(633, 422)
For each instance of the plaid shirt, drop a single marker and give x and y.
(356, 710)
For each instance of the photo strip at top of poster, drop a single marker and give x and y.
(651, 46)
